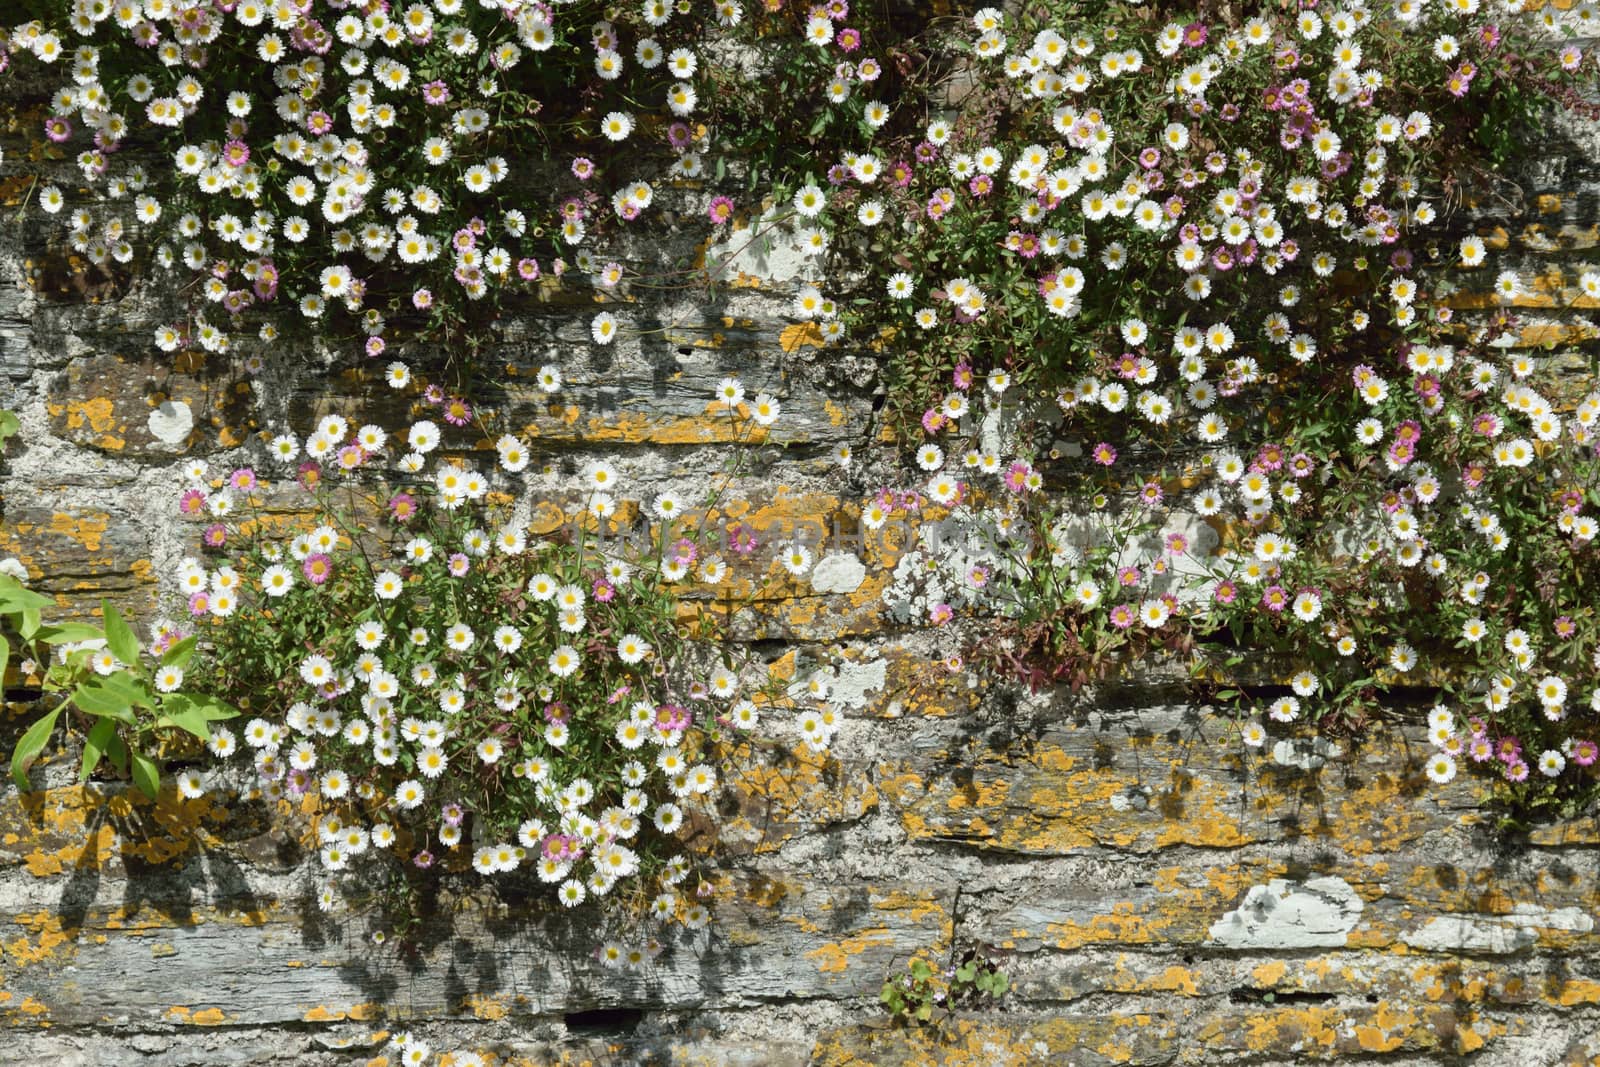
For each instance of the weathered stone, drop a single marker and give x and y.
(1157, 893)
(79, 557)
(1283, 915)
(138, 407)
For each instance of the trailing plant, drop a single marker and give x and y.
(462, 666)
(119, 701)
(1184, 266)
(1173, 310)
(925, 994)
(376, 174)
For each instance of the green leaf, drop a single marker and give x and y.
(213, 709)
(145, 774)
(14, 596)
(925, 1012)
(178, 655)
(30, 745)
(9, 425)
(100, 737)
(5, 661)
(63, 632)
(182, 712)
(992, 983)
(117, 753)
(119, 635)
(96, 699)
(130, 688)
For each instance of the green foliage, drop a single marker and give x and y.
(466, 670)
(102, 686)
(458, 116)
(926, 995)
(1197, 265)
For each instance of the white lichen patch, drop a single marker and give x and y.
(848, 685)
(171, 422)
(838, 572)
(1319, 913)
(1470, 933)
(1305, 753)
(1498, 934)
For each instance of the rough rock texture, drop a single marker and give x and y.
(1156, 896)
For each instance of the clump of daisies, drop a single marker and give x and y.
(329, 167)
(453, 684)
(1204, 265)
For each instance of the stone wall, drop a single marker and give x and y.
(1155, 896)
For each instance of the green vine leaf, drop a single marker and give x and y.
(146, 776)
(119, 635)
(30, 745)
(101, 734)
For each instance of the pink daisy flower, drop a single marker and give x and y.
(318, 568)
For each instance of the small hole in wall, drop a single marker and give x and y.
(603, 1021)
(685, 352)
(769, 650)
